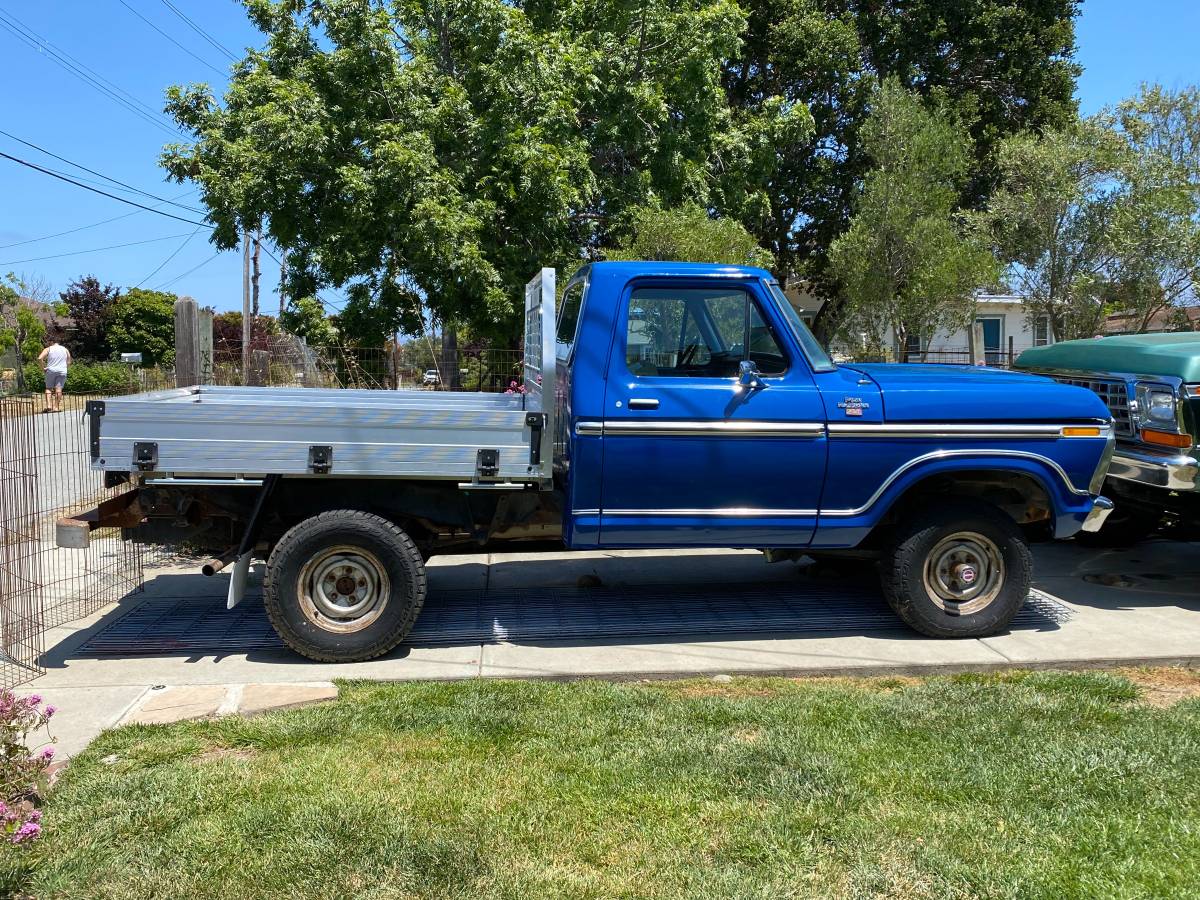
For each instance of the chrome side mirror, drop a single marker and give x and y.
(748, 374)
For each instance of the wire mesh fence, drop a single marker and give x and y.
(21, 618)
(282, 360)
(45, 474)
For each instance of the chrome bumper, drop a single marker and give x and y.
(1173, 471)
(1100, 510)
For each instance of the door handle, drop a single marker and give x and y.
(643, 403)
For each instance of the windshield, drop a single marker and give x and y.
(812, 349)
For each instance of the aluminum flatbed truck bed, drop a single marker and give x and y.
(217, 433)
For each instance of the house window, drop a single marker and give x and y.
(913, 347)
(1041, 331)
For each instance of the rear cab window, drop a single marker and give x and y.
(569, 308)
(694, 332)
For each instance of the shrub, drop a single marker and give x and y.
(88, 378)
(22, 784)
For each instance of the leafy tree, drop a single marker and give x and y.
(1003, 66)
(1156, 229)
(306, 318)
(143, 321)
(437, 153)
(88, 304)
(1054, 216)
(227, 332)
(907, 263)
(689, 234)
(20, 326)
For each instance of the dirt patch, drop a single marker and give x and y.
(217, 754)
(1164, 687)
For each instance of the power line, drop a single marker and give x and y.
(81, 71)
(174, 253)
(54, 174)
(59, 234)
(14, 262)
(200, 31)
(199, 59)
(171, 281)
(84, 168)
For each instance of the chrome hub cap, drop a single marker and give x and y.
(343, 589)
(964, 573)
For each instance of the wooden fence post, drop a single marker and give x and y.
(187, 343)
(193, 343)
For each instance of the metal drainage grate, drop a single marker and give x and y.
(199, 625)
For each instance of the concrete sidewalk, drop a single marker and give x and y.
(1127, 607)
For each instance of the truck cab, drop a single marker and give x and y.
(664, 405)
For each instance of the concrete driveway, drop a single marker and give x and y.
(1091, 608)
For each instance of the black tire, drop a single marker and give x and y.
(943, 542)
(370, 559)
(1122, 528)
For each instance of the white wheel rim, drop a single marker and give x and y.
(343, 589)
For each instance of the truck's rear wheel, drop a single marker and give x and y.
(344, 586)
(958, 569)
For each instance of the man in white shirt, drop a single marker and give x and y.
(54, 359)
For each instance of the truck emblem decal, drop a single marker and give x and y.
(853, 406)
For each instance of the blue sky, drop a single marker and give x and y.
(1121, 44)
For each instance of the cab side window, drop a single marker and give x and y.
(698, 333)
(568, 319)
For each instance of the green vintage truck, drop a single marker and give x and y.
(1151, 384)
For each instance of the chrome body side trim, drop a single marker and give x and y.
(841, 513)
(689, 428)
(730, 511)
(980, 431)
(951, 454)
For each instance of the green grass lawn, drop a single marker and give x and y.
(1016, 785)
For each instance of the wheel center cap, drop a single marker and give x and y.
(967, 574)
(345, 585)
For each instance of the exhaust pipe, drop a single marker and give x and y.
(217, 563)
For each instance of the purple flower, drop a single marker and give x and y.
(50, 710)
(47, 753)
(27, 832)
(34, 699)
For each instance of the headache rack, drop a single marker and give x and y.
(232, 432)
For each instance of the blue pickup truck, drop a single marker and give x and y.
(663, 405)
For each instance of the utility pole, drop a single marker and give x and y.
(245, 307)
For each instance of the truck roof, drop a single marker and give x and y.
(643, 267)
(1172, 353)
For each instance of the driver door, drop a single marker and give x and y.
(692, 457)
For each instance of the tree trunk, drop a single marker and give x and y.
(449, 361)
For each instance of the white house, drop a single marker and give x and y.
(1003, 324)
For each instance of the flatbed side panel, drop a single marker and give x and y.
(262, 436)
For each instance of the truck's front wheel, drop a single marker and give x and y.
(957, 569)
(344, 586)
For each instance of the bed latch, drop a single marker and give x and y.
(145, 455)
(320, 459)
(487, 463)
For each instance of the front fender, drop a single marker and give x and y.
(1071, 501)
